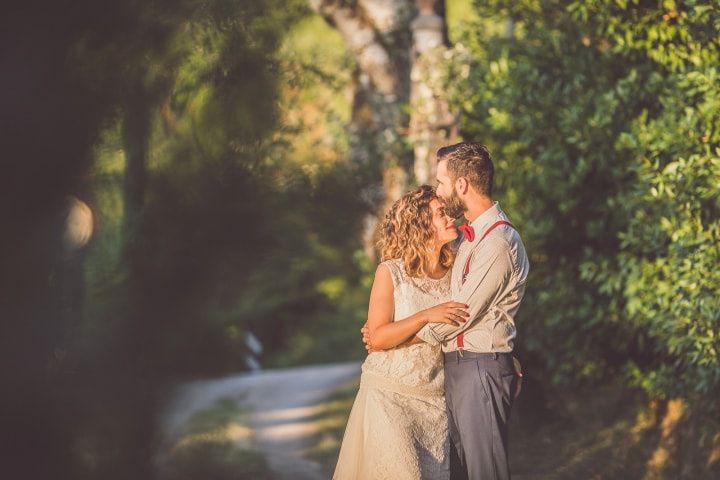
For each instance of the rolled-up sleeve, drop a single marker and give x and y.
(490, 274)
(428, 335)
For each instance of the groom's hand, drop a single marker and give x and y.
(366, 339)
(519, 373)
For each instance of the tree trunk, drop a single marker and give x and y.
(136, 134)
(377, 32)
(386, 42)
(432, 125)
(137, 374)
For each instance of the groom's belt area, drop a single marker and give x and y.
(459, 355)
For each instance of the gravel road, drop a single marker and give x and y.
(281, 404)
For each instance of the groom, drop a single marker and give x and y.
(489, 275)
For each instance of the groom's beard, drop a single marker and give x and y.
(454, 206)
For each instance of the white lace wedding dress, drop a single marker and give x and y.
(397, 428)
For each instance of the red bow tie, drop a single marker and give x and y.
(467, 231)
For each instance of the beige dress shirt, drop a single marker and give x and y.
(494, 288)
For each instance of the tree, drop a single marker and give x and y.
(379, 35)
(602, 117)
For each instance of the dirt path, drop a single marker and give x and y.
(281, 403)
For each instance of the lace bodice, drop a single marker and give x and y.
(416, 365)
(397, 428)
(414, 294)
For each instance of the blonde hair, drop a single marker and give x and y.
(407, 233)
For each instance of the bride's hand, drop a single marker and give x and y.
(365, 331)
(452, 313)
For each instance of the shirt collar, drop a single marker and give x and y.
(487, 218)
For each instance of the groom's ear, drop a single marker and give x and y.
(462, 185)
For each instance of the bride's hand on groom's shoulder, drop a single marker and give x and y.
(452, 313)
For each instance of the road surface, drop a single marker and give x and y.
(281, 405)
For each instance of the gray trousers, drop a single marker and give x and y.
(479, 390)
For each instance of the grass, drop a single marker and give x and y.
(215, 444)
(331, 418)
(591, 435)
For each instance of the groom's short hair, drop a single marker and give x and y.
(470, 160)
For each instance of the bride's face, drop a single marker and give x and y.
(444, 225)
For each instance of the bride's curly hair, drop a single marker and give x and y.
(407, 233)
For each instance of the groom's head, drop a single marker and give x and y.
(464, 170)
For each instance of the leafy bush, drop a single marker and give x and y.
(603, 117)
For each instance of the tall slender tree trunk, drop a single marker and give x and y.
(432, 125)
(377, 32)
(386, 37)
(137, 379)
(135, 133)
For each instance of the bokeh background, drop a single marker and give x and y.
(182, 180)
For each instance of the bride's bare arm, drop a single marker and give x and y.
(384, 333)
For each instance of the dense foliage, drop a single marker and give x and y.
(603, 117)
(236, 233)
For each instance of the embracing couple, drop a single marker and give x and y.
(439, 383)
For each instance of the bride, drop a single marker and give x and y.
(398, 425)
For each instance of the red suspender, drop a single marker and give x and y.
(466, 270)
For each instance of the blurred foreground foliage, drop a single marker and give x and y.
(183, 126)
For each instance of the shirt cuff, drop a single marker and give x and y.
(428, 335)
